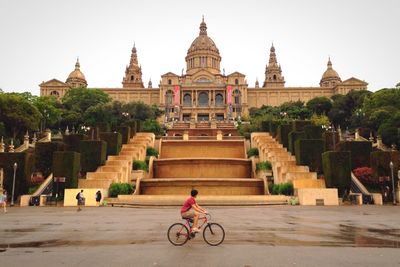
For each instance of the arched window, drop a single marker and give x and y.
(219, 100)
(187, 100)
(55, 93)
(169, 81)
(132, 77)
(236, 96)
(274, 77)
(203, 99)
(169, 96)
(236, 81)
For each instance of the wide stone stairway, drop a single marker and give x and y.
(218, 169)
(307, 187)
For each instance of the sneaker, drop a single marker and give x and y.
(195, 230)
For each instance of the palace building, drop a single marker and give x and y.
(204, 93)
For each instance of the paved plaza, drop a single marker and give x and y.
(255, 236)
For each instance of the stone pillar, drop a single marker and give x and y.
(26, 140)
(2, 145)
(48, 135)
(340, 133)
(357, 135)
(11, 147)
(379, 141)
(219, 135)
(34, 139)
(67, 131)
(186, 135)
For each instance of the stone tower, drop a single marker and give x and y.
(133, 73)
(273, 71)
(76, 79)
(330, 78)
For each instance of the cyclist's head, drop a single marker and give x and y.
(194, 193)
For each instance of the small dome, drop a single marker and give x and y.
(330, 72)
(203, 42)
(76, 73)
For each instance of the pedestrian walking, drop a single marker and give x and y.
(98, 198)
(3, 200)
(81, 200)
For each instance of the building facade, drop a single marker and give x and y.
(204, 93)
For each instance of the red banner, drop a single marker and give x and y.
(177, 95)
(229, 94)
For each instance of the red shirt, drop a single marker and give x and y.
(188, 204)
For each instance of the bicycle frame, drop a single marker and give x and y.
(205, 220)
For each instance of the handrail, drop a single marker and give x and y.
(43, 186)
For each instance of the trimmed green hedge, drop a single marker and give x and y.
(114, 142)
(281, 189)
(293, 137)
(283, 134)
(72, 142)
(265, 126)
(309, 152)
(263, 166)
(273, 128)
(125, 132)
(67, 164)
(337, 170)
(23, 174)
(132, 125)
(313, 131)
(360, 152)
(328, 137)
(151, 151)
(93, 154)
(44, 156)
(139, 165)
(299, 125)
(104, 127)
(252, 152)
(120, 189)
(139, 126)
(380, 164)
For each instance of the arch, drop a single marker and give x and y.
(55, 93)
(274, 77)
(169, 81)
(203, 99)
(132, 77)
(187, 100)
(236, 81)
(219, 100)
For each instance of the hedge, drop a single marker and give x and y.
(120, 189)
(313, 131)
(252, 152)
(139, 165)
(72, 142)
(66, 164)
(151, 151)
(380, 164)
(104, 127)
(360, 152)
(273, 128)
(125, 132)
(132, 125)
(281, 189)
(139, 126)
(44, 156)
(328, 138)
(114, 142)
(283, 134)
(25, 168)
(299, 125)
(309, 152)
(93, 154)
(337, 170)
(293, 137)
(265, 126)
(263, 166)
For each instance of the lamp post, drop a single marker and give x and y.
(333, 137)
(13, 186)
(393, 189)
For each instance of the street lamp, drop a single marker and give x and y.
(13, 186)
(393, 189)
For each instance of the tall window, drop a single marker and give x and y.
(187, 100)
(236, 96)
(236, 81)
(203, 99)
(132, 77)
(169, 96)
(169, 81)
(219, 100)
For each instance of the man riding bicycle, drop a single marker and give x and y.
(190, 210)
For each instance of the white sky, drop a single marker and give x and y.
(40, 40)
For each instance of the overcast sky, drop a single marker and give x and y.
(41, 39)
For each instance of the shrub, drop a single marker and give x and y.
(252, 152)
(380, 163)
(313, 131)
(120, 189)
(125, 132)
(273, 128)
(139, 165)
(360, 152)
(263, 166)
(281, 189)
(67, 164)
(265, 126)
(93, 154)
(364, 174)
(298, 125)
(44, 156)
(152, 126)
(132, 125)
(103, 127)
(328, 138)
(33, 189)
(309, 152)
(151, 151)
(283, 134)
(114, 142)
(337, 170)
(293, 137)
(72, 141)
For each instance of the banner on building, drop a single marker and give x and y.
(229, 94)
(177, 95)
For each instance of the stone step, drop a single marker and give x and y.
(204, 200)
(290, 176)
(98, 183)
(114, 176)
(308, 183)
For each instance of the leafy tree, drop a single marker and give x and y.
(50, 110)
(295, 110)
(80, 99)
(97, 114)
(320, 120)
(139, 111)
(397, 85)
(320, 105)
(152, 126)
(18, 114)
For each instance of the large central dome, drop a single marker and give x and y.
(203, 53)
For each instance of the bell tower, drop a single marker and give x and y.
(133, 72)
(273, 71)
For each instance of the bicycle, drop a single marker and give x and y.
(213, 233)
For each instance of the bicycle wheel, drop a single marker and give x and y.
(178, 234)
(214, 234)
